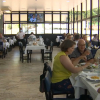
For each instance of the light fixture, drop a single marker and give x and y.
(6, 9)
(67, 0)
(4, 0)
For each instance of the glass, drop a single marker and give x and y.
(7, 28)
(64, 28)
(75, 14)
(79, 27)
(40, 28)
(75, 27)
(7, 17)
(79, 12)
(94, 7)
(48, 17)
(56, 28)
(88, 29)
(94, 26)
(23, 17)
(99, 28)
(84, 9)
(24, 27)
(48, 28)
(15, 17)
(88, 8)
(56, 18)
(83, 27)
(31, 28)
(15, 28)
(64, 18)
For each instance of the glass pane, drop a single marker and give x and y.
(75, 27)
(56, 28)
(75, 14)
(84, 9)
(70, 28)
(64, 28)
(94, 7)
(48, 17)
(48, 28)
(24, 27)
(15, 28)
(79, 12)
(56, 17)
(31, 28)
(15, 17)
(94, 26)
(40, 28)
(79, 27)
(23, 17)
(88, 29)
(70, 16)
(83, 27)
(7, 28)
(64, 17)
(88, 8)
(99, 28)
(7, 17)
(99, 6)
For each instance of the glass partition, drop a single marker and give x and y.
(48, 28)
(84, 10)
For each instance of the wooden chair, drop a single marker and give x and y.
(24, 56)
(47, 54)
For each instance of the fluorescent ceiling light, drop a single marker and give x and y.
(68, 1)
(4, 0)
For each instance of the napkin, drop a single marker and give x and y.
(87, 74)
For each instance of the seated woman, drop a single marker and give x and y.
(63, 67)
(2, 39)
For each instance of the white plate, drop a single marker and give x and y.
(89, 78)
(82, 64)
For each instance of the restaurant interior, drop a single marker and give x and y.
(20, 71)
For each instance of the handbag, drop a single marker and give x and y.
(42, 88)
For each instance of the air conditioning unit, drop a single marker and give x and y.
(6, 9)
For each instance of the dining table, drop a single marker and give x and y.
(82, 81)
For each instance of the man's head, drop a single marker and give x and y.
(1, 35)
(20, 29)
(33, 15)
(84, 37)
(81, 45)
(69, 36)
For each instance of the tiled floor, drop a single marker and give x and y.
(20, 81)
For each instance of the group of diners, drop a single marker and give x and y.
(74, 50)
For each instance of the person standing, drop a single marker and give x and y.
(20, 36)
(33, 19)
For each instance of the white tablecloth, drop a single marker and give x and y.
(11, 42)
(32, 47)
(6, 45)
(80, 83)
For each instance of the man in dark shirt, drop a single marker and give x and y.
(81, 54)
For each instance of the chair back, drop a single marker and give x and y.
(47, 68)
(20, 46)
(1, 45)
(47, 82)
(51, 46)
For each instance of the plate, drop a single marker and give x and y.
(82, 64)
(93, 78)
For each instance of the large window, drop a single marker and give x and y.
(7, 18)
(56, 28)
(84, 9)
(40, 28)
(88, 8)
(75, 14)
(75, 27)
(48, 28)
(79, 27)
(83, 27)
(79, 12)
(64, 17)
(64, 28)
(15, 17)
(7, 28)
(48, 17)
(94, 7)
(15, 28)
(31, 28)
(88, 29)
(56, 18)
(24, 27)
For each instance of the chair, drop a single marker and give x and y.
(24, 56)
(2, 53)
(48, 91)
(47, 54)
(48, 68)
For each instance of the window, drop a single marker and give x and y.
(23, 17)
(75, 27)
(84, 9)
(48, 17)
(56, 18)
(83, 27)
(79, 12)
(15, 28)
(79, 27)
(7, 17)
(64, 28)
(64, 17)
(40, 28)
(31, 28)
(7, 28)
(15, 17)
(48, 28)
(56, 28)
(24, 28)
(88, 8)
(88, 29)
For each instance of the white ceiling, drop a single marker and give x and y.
(40, 5)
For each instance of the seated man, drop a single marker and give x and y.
(81, 54)
(2, 39)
